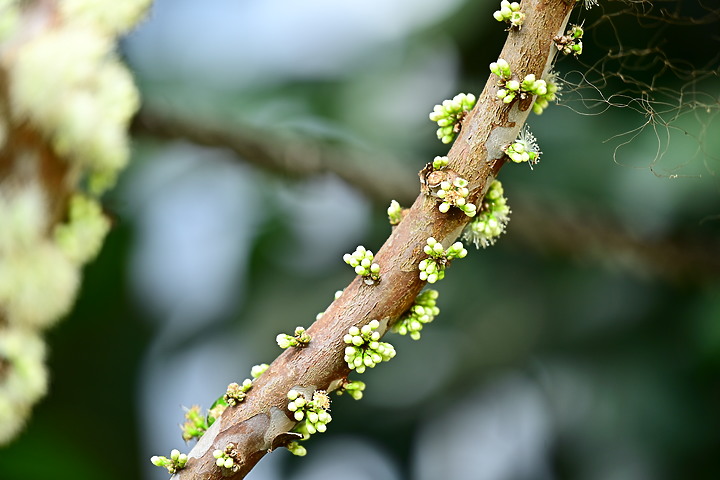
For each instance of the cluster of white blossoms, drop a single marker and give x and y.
(450, 114)
(492, 220)
(455, 195)
(510, 13)
(63, 132)
(362, 261)
(423, 310)
(353, 388)
(553, 88)
(176, 461)
(571, 42)
(196, 424)
(524, 148)
(314, 412)
(300, 339)
(433, 269)
(228, 458)
(365, 350)
(236, 392)
(511, 88)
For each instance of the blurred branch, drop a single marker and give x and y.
(541, 224)
(288, 155)
(586, 234)
(262, 421)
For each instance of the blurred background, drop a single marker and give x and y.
(584, 345)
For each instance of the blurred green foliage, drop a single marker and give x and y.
(624, 351)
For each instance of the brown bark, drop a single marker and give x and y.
(477, 156)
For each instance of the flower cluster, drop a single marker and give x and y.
(300, 339)
(510, 89)
(258, 370)
(571, 42)
(362, 261)
(177, 461)
(423, 311)
(455, 194)
(552, 88)
(195, 425)
(449, 115)
(491, 221)
(433, 269)
(524, 148)
(364, 349)
(510, 13)
(228, 458)
(81, 237)
(533, 86)
(296, 448)
(66, 83)
(313, 412)
(354, 389)
(69, 83)
(439, 163)
(236, 393)
(501, 68)
(394, 212)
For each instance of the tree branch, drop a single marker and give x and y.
(285, 154)
(536, 223)
(259, 423)
(582, 233)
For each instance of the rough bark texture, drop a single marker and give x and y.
(477, 156)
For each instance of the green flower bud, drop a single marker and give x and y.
(433, 269)
(501, 68)
(394, 212)
(440, 162)
(424, 310)
(367, 351)
(258, 370)
(524, 149)
(449, 115)
(492, 220)
(362, 262)
(176, 462)
(296, 449)
(300, 339)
